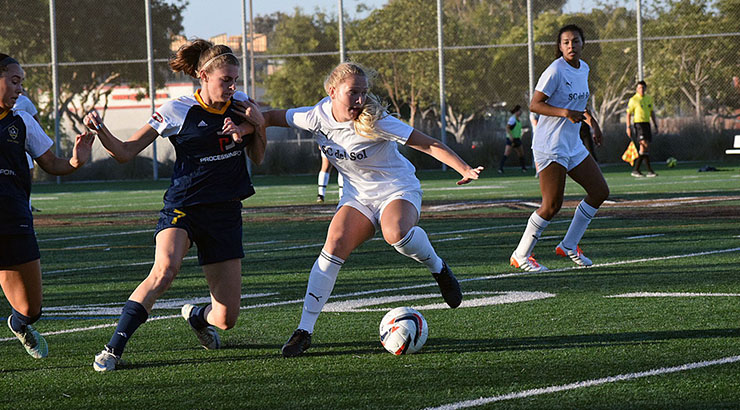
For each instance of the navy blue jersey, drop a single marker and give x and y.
(19, 133)
(209, 168)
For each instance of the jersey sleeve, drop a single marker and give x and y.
(631, 106)
(548, 81)
(165, 120)
(395, 129)
(24, 103)
(37, 142)
(300, 118)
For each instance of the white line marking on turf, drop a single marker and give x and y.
(501, 276)
(669, 295)
(587, 383)
(99, 235)
(92, 245)
(645, 236)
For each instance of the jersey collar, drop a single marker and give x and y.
(211, 109)
(4, 114)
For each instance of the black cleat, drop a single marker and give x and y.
(320, 199)
(449, 286)
(298, 343)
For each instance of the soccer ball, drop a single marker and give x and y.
(403, 330)
(671, 162)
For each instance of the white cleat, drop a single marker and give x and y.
(528, 264)
(208, 336)
(576, 256)
(32, 341)
(106, 361)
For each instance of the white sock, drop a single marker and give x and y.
(416, 246)
(535, 225)
(323, 182)
(320, 284)
(340, 182)
(581, 218)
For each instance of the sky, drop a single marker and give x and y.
(204, 19)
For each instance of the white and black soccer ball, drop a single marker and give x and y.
(403, 330)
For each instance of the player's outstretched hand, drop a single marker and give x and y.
(82, 149)
(250, 111)
(93, 121)
(471, 174)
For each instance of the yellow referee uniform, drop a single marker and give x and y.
(641, 106)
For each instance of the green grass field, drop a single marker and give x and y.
(654, 324)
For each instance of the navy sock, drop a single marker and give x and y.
(18, 322)
(521, 162)
(503, 161)
(197, 317)
(134, 314)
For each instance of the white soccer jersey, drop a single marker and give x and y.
(372, 168)
(37, 142)
(566, 87)
(24, 103)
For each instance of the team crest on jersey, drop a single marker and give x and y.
(13, 131)
(157, 117)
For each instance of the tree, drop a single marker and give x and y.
(298, 80)
(85, 33)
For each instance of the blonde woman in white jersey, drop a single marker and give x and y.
(360, 139)
(560, 98)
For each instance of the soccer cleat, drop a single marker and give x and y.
(651, 174)
(576, 256)
(106, 361)
(32, 341)
(449, 286)
(500, 170)
(528, 264)
(298, 343)
(208, 336)
(320, 199)
(637, 174)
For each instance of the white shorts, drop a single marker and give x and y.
(373, 210)
(542, 159)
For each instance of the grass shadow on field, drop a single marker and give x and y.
(439, 345)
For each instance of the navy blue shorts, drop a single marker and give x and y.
(16, 249)
(215, 228)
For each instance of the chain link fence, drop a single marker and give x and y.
(690, 60)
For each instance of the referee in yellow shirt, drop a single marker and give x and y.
(641, 106)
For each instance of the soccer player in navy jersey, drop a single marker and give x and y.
(561, 98)
(212, 131)
(359, 137)
(20, 265)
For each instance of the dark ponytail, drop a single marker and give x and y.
(191, 56)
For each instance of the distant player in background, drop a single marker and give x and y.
(513, 139)
(360, 139)
(211, 132)
(20, 265)
(561, 97)
(641, 106)
(324, 175)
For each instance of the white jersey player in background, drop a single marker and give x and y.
(359, 138)
(560, 98)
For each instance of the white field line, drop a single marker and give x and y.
(99, 235)
(284, 248)
(587, 383)
(670, 295)
(645, 236)
(367, 292)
